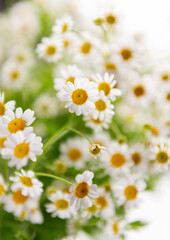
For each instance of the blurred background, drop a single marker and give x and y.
(151, 19)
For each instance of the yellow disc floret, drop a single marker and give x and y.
(82, 189)
(15, 125)
(130, 192)
(105, 87)
(18, 198)
(79, 96)
(62, 204)
(26, 181)
(74, 154)
(117, 160)
(21, 150)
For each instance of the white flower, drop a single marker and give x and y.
(79, 194)
(27, 183)
(34, 215)
(80, 97)
(20, 147)
(60, 206)
(115, 228)
(10, 105)
(18, 121)
(107, 84)
(3, 188)
(127, 191)
(74, 152)
(103, 107)
(66, 75)
(63, 24)
(50, 49)
(96, 149)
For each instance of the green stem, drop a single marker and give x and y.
(120, 137)
(80, 133)
(55, 177)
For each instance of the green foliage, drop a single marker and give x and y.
(136, 225)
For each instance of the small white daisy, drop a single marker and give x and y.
(81, 96)
(27, 183)
(35, 216)
(79, 194)
(107, 84)
(20, 147)
(96, 149)
(103, 107)
(10, 105)
(63, 25)
(50, 49)
(60, 206)
(115, 229)
(18, 121)
(74, 152)
(3, 188)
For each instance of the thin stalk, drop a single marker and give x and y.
(120, 137)
(80, 133)
(55, 177)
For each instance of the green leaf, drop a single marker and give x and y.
(136, 225)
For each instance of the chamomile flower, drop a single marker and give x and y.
(50, 49)
(10, 105)
(63, 24)
(35, 216)
(116, 159)
(91, 211)
(160, 153)
(128, 190)
(79, 194)
(22, 55)
(80, 97)
(27, 183)
(3, 188)
(20, 147)
(74, 152)
(66, 75)
(96, 149)
(16, 121)
(13, 75)
(115, 229)
(60, 206)
(103, 107)
(107, 84)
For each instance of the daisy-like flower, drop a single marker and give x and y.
(115, 229)
(63, 24)
(27, 183)
(66, 75)
(116, 159)
(103, 107)
(160, 153)
(10, 105)
(20, 147)
(34, 215)
(128, 191)
(60, 206)
(3, 188)
(79, 194)
(96, 149)
(74, 152)
(107, 84)
(80, 97)
(50, 49)
(18, 121)
(91, 211)
(13, 75)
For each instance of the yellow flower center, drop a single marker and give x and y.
(14, 75)
(115, 227)
(154, 131)
(66, 43)
(102, 202)
(105, 87)
(2, 140)
(165, 77)
(95, 149)
(15, 125)
(168, 96)
(130, 192)
(86, 48)
(100, 105)
(92, 209)
(79, 96)
(70, 79)
(110, 19)
(74, 154)
(20, 58)
(96, 121)
(82, 189)
(136, 158)
(65, 27)
(110, 66)
(21, 150)
(51, 50)
(60, 167)
(2, 190)
(139, 91)
(18, 198)
(62, 204)
(126, 53)
(117, 160)
(2, 109)
(162, 157)
(26, 181)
